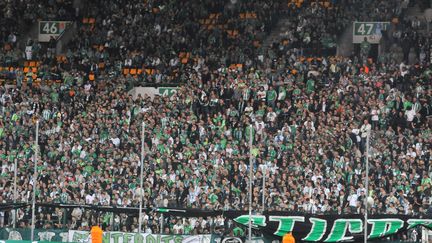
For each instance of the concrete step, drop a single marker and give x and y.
(30, 33)
(66, 38)
(282, 26)
(345, 46)
(416, 14)
(414, 11)
(428, 13)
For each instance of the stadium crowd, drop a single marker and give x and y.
(134, 34)
(308, 125)
(309, 119)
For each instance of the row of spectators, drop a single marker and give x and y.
(220, 34)
(211, 32)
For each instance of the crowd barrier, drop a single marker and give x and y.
(26, 241)
(8, 235)
(272, 224)
(18, 235)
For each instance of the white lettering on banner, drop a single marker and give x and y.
(338, 230)
(369, 30)
(286, 223)
(48, 29)
(232, 240)
(15, 235)
(228, 239)
(64, 236)
(122, 237)
(46, 236)
(40, 234)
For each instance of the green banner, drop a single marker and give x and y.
(51, 235)
(331, 228)
(369, 30)
(48, 29)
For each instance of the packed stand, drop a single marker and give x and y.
(199, 29)
(411, 36)
(309, 119)
(170, 38)
(309, 129)
(165, 40)
(16, 19)
(318, 25)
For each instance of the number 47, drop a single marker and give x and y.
(365, 30)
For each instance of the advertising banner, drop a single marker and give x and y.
(57, 235)
(273, 225)
(331, 228)
(122, 237)
(25, 241)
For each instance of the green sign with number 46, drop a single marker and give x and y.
(51, 28)
(369, 30)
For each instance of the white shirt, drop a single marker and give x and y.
(359, 190)
(115, 141)
(259, 126)
(83, 154)
(307, 190)
(311, 125)
(271, 116)
(75, 148)
(353, 200)
(411, 154)
(174, 62)
(410, 115)
(87, 87)
(356, 132)
(177, 228)
(248, 109)
(374, 114)
(261, 94)
(323, 106)
(89, 199)
(365, 130)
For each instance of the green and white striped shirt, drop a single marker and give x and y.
(46, 114)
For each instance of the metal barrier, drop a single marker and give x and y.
(228, 223)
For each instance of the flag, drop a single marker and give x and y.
(166, 210)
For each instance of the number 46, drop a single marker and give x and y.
(50, 29)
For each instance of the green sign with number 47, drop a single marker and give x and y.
(369, 30)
